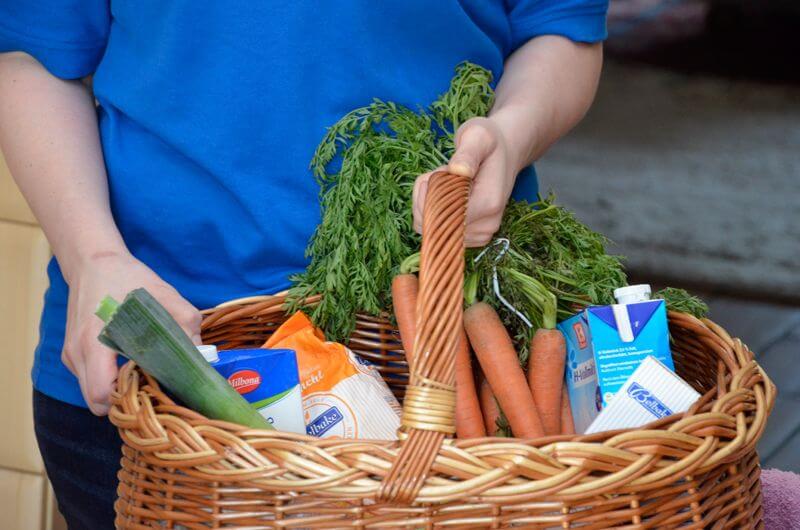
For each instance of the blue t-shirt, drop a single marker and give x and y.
(210, 111)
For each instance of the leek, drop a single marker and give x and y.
(143, 331)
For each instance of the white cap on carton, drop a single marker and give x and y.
(632, 294)
(209, 352)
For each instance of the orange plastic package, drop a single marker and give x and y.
(343, 395)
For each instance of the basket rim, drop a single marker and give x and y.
(562, 467)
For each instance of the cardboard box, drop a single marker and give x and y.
(605, 345)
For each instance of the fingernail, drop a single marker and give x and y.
(460, 168)
(197, 339)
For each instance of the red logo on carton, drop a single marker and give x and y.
(245, 381)
(580, 334)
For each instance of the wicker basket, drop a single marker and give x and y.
(695, 470)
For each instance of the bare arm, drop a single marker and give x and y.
(49, 137)
(547, 87)
(49, 134)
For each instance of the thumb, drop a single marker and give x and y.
(475, 141)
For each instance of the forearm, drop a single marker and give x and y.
(547, 87)
(49, 137)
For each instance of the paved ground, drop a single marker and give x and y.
(696, 178)
(773, 333)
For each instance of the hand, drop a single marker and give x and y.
(113, 274)
(482, 153)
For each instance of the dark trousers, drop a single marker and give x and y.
(81, 454)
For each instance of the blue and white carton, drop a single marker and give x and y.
(606, 344)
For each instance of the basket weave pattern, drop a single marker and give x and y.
(695, 470)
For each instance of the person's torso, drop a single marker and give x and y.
(210, 113)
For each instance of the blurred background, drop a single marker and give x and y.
(689, 161)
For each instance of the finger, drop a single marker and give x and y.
(489, 193)
(189, 318)
(487, 201)
(480, 232)
(418, 196)
(478, 237)
(66, 360)
(474, 143)
(99, 372)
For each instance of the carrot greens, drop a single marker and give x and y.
(548, 265)
(680, 300)
(366, 166)
(543, 265)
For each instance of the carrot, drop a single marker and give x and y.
(546, 376)
(469, 421)
(489, 408)
(499, 362)
(567, 423)
(404, 298)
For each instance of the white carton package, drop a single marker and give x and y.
(652, 392)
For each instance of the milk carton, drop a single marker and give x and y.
(267, 378)
(606, 344)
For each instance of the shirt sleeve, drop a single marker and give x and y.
(67, 36)
(577, 20)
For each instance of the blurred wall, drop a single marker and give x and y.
(26, 500)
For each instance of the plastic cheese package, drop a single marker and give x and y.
(653, 391)
(343, 395)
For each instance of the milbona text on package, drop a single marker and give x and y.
(269, 380)
(605, 345)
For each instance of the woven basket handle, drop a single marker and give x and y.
(429, 406)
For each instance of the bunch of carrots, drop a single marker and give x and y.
(535, 403)
(548, 266)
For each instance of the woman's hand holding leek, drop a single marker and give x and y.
(110, 273)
